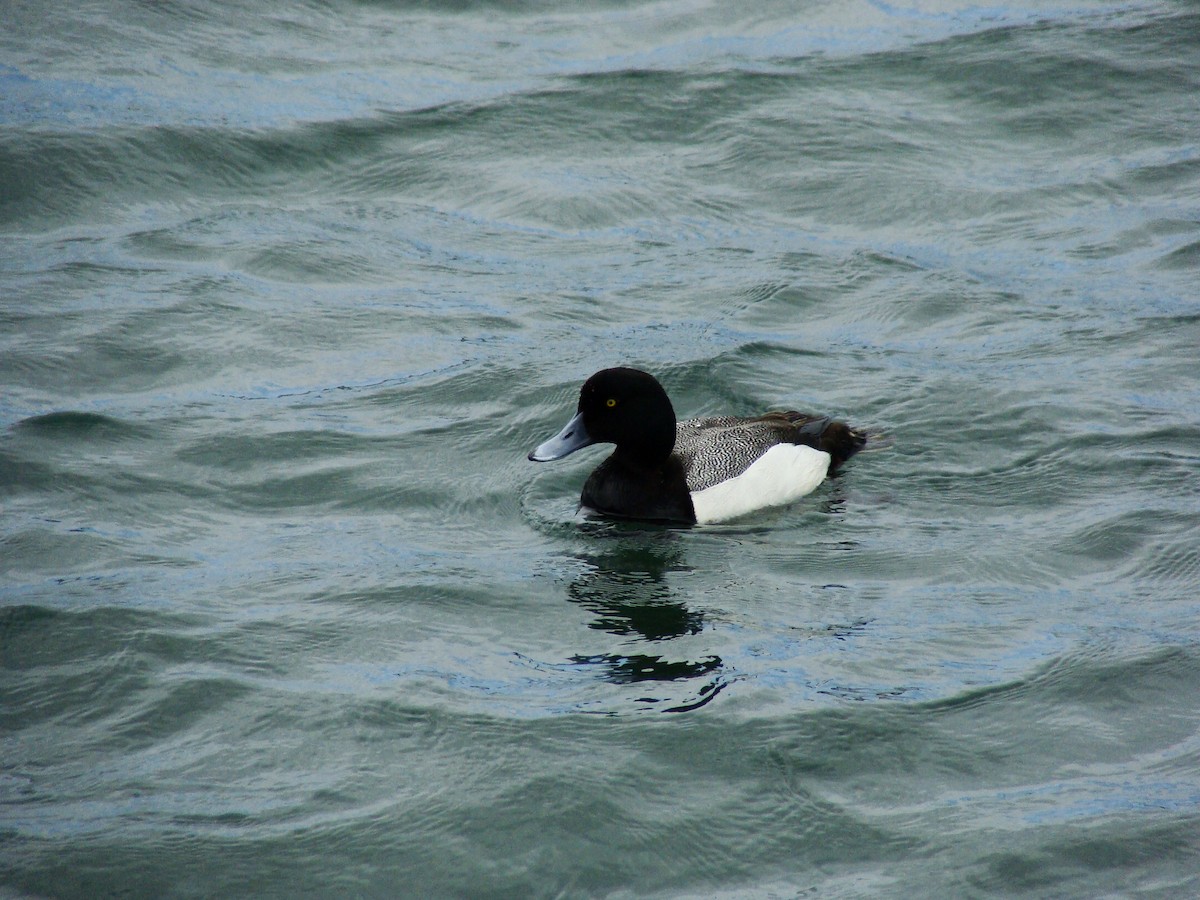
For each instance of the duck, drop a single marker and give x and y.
(698, 471)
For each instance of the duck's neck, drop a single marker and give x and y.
(651, 445)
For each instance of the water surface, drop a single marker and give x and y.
(290, 292)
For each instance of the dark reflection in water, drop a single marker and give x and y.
(627, 585)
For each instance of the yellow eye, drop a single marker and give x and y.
(610, 402)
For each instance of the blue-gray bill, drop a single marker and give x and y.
(572, 437)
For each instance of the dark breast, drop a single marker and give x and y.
(617, 488)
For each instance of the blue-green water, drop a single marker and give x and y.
(290, 290)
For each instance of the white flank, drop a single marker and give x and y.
(783, 474)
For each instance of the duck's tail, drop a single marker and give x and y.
(841, 442)
(837, 439)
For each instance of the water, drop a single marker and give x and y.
(290, 291)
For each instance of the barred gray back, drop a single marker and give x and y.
(723, 447)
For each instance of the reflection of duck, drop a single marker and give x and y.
(700, 470)
(628, 590)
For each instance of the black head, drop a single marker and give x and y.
(629, 408)
(625, 407)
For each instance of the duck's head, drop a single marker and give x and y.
(621, 406)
